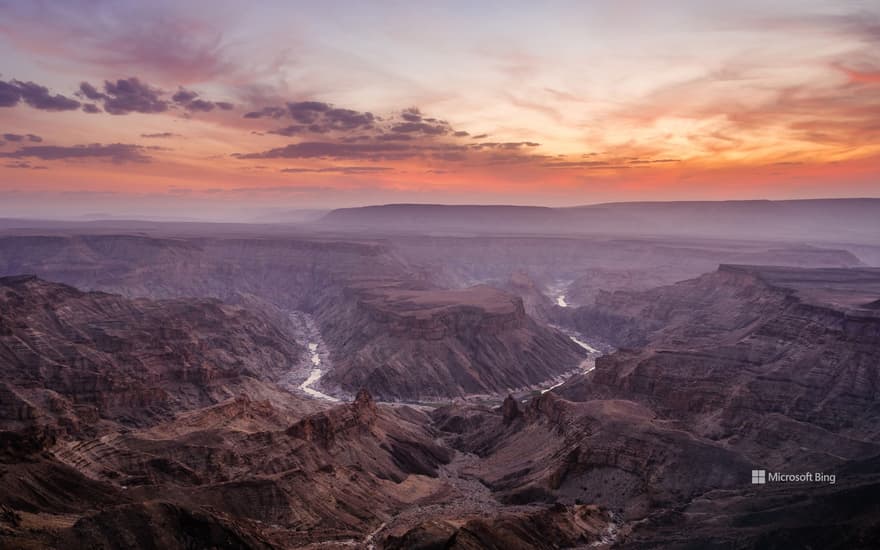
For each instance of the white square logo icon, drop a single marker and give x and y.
(759, 477)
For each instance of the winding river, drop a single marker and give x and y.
(307, 330)
(314, 375)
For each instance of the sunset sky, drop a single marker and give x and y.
(242, 110)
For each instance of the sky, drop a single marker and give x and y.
(253, 110)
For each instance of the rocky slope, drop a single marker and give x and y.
(410, 343)
(127, 420)
(388, 326)
(781, 346)
(332, 475)
(747, 367)
(287, 272)
(72, 360)
(581, 268)
(143, 423)
(545, 529)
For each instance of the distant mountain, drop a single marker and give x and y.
(850, 220)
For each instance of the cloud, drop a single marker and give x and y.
(856, 76)
(168, 43)
(160, 135)
(351, 170)
(39, 97)
(90, 92)
(200, 105)
(91, 108)
(289, 130)
(117, 153)
(317, 117)
(411, 115)
(504, 145)
(338, 129)
(614, 163)
(421, 127)
(184, 96)
(266, 112)
(191, 101)
(25, 165)
(330, 132)
(21, 137)
(34, 95)
(131, 95)
(10, 95)
(307, 112)
(347, 119)
(317, 149)
(395, 137)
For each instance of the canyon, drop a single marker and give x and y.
(199, 386)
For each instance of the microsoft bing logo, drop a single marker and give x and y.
(759, 477)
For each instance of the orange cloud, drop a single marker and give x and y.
(858, 77)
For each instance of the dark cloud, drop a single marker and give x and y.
(411, 115)
(267, 112)
(39, 97)
(350, 170)
(200, 105)
(347, 119)
(10, 95)
(320, 149)
(289, 131)
(160, 135)
(318, 117)
(24, 165)
(191, 101)
(90, 92)
(21, 137)
(113, 152)
(130, 95)
(450, 156)
(184, 96)
(395, 137)
(618, 163)
(583, 164)
(307, 112)
(330, 132)
(651, 161)
(508, 145)
(421, 127)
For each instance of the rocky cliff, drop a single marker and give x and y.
(72, 359)
(743, 368)
(732, 347)
(425, 343)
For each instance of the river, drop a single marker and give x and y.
(306, 329)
